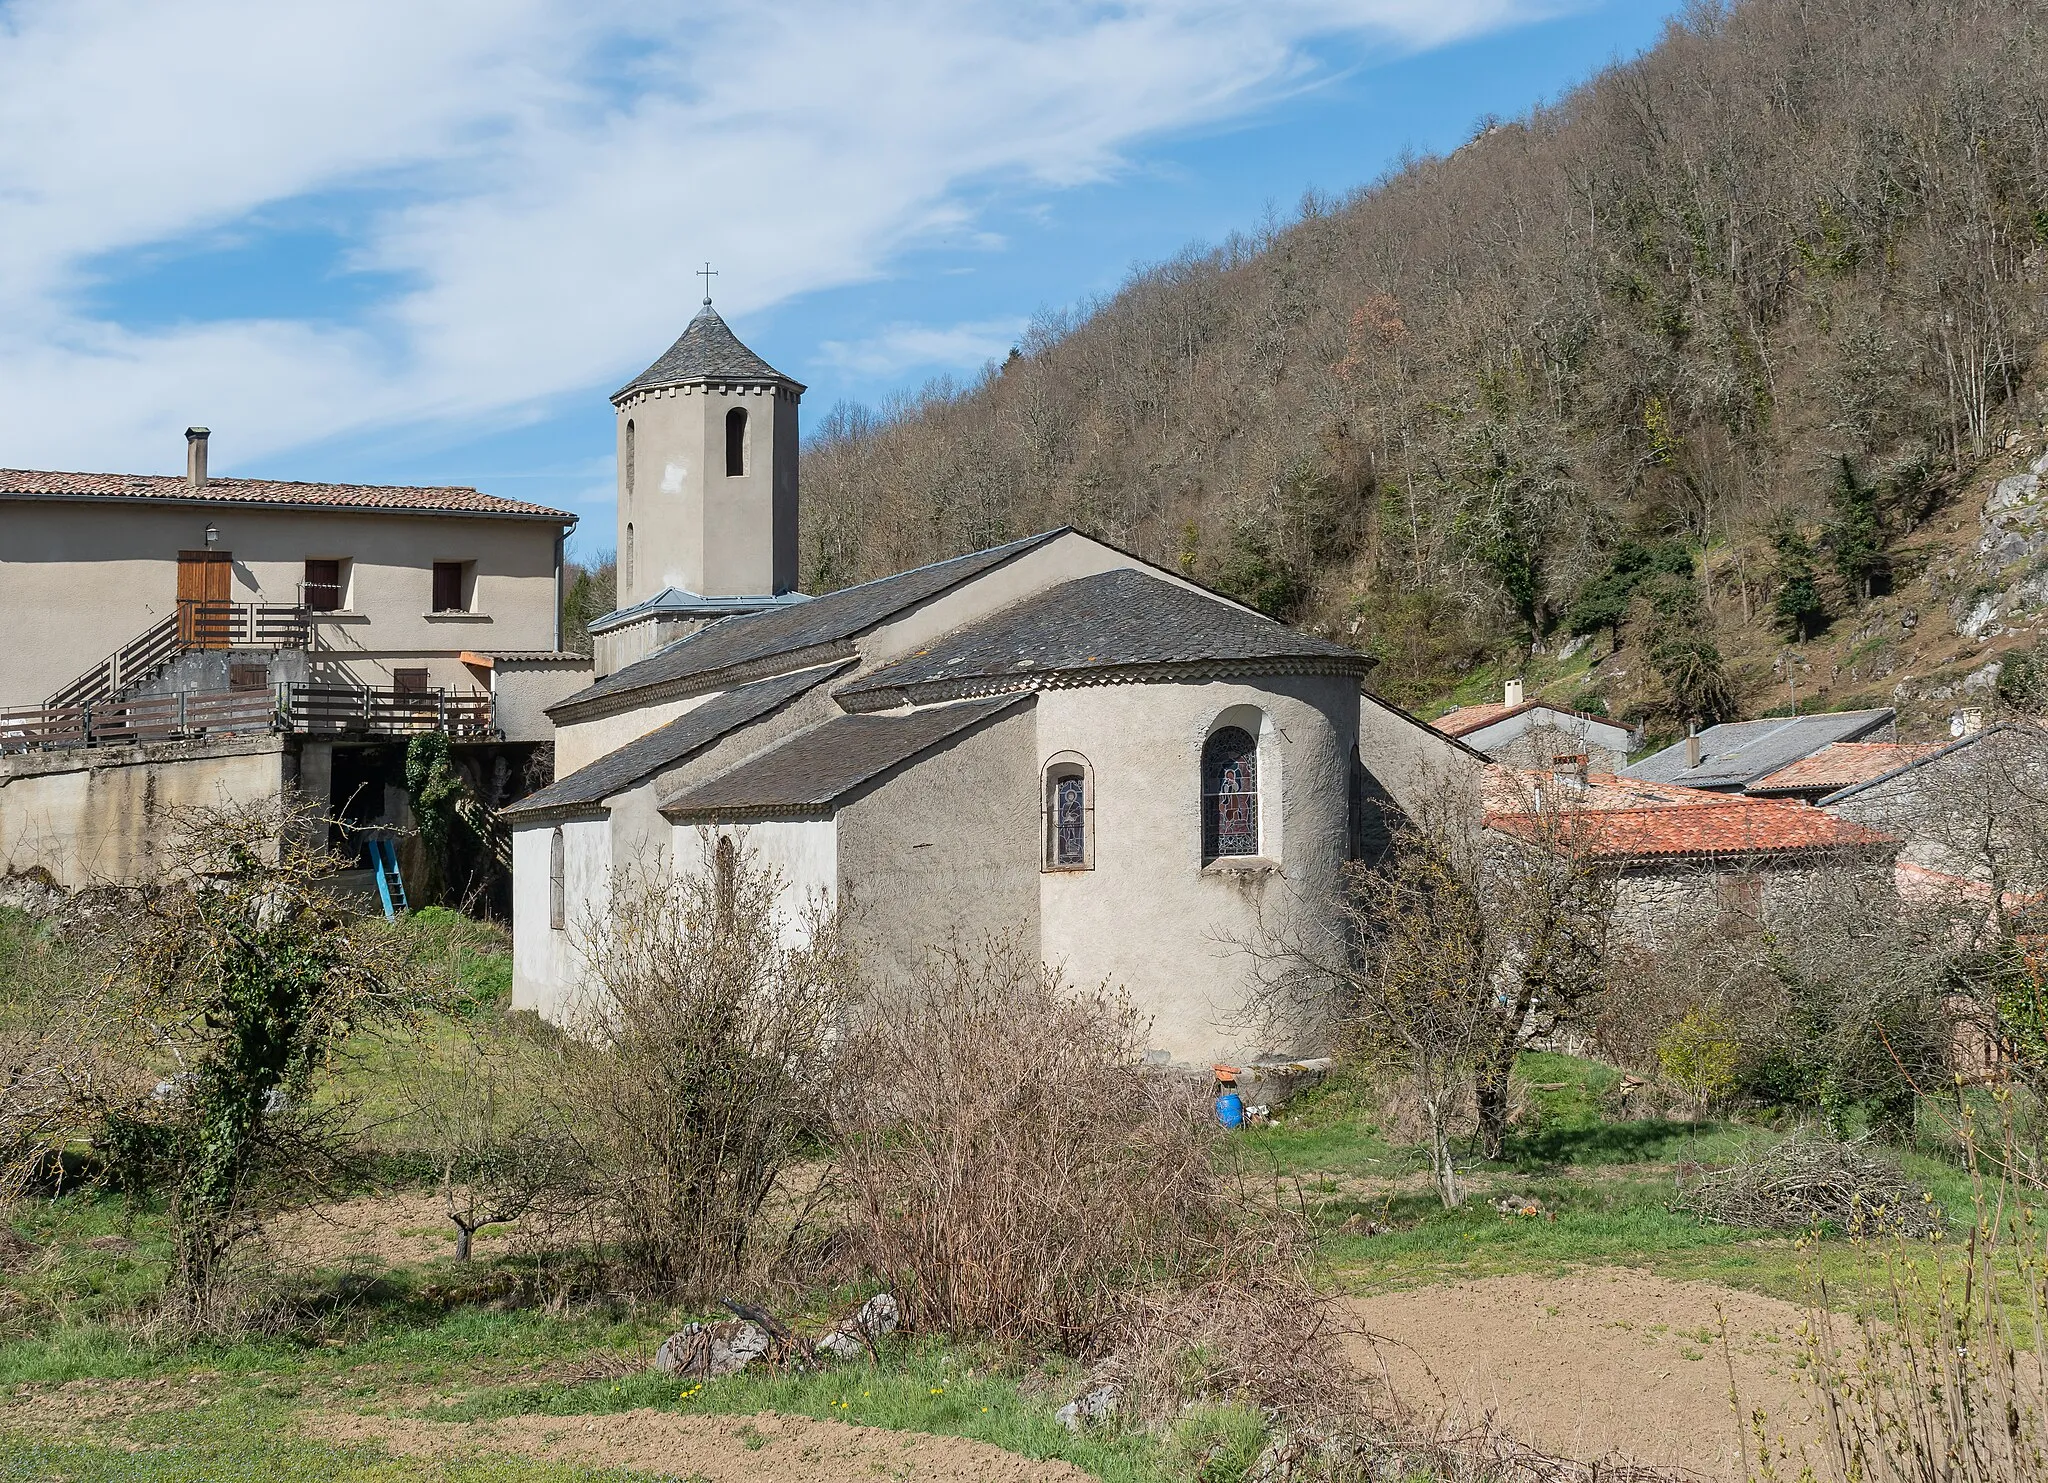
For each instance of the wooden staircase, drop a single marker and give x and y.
(195, 625)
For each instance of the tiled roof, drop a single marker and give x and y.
(777, 633)
(1089, 626)
(1737, 753)
(397, 499)
(1844, 764)
(1724, 828)
(813, 769)
(694, 730)
(706, 351)
(1510, 790)
(1467, 719)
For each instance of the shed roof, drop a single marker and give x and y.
(826, 623)
(1120, 619)
(273, 493)
(810, 771)
(706, 351)
(641, 758)
(1737, 753)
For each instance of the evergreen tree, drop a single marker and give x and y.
(1798, 604)
(1855, 538)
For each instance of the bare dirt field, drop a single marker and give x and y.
(385, 1230)
(1602, 1362)
(767, 1448)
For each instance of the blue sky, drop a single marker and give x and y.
(419, 243)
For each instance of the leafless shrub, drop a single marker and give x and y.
(1810, 1179)
(1258, 1336)
(1013, 1172)
(702, 1060)
(480, 1110)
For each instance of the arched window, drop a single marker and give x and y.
(725, 881)
(1230, 794)
(1069, 814)
(558, 883)
(629, 555)
(631, 460)
(736, 442)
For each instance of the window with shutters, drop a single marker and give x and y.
(325, 588)
(451, 586)
(411, 681)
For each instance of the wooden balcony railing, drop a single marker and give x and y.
(194, 625)
(300, 710)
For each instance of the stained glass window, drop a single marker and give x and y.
(1230, 794)
(1069, 821)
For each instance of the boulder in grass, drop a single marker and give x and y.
(855, 1336)
(705, 1351)
(1091, 1408)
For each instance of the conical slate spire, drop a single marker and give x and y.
(706, 351)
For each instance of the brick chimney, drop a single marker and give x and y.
(1513, 694)
(195, 457)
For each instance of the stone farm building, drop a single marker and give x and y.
(1050, 737)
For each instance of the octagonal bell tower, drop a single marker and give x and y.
(707, 442)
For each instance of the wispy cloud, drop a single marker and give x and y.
(534, 180)
(911, 347)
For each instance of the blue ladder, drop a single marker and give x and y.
(390, 884)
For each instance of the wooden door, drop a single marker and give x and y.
(203, 592)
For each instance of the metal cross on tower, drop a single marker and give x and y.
(707, 273)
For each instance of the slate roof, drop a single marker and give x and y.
(1467, 719)
(808, 772)
(665, 746)
(1843, 765)
(1737, 753)
(677, 602)
(395, 499)
(823, 623)
(1724, 828)
(707, 350)
(1096, 624)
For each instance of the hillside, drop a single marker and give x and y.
(1717, 357)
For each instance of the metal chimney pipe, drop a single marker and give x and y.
(1692, 747)
(195, 457)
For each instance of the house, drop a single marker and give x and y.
(1050, 737)
(1735, 755)
(1684, 854)
(1962, 809)
(1535, 733)
(201, 639)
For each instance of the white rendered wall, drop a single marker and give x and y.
(802, 853)
(547, 963)
(1150, 916)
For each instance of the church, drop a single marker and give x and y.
(1052, 737)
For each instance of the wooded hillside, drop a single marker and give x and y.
(1691, 358)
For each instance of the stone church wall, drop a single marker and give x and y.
(547, 963)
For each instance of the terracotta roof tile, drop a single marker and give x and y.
(1725, 827)
(398, 499)
(1511, 790)
(1844, 764)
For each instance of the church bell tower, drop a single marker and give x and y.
(707, 440)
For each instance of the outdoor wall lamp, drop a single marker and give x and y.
(212, 535)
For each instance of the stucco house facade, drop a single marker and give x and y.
(1051, 738)
(201, 640)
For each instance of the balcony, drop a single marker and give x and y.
(292, 709)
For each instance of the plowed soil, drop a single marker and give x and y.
(1605, 1362)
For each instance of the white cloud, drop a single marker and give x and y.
(540, 176)
(909, 347)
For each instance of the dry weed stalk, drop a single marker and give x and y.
(1810, 1178)
(1013, 1170)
